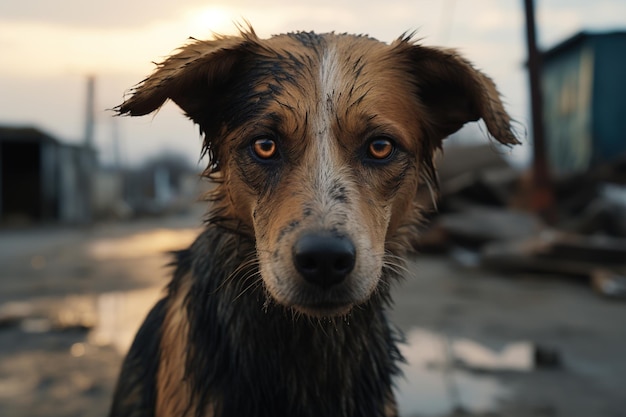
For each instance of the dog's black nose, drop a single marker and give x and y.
(322, 259)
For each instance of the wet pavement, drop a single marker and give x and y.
(478, 344)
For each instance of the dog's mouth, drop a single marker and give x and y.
(324, 309)
(317, 302)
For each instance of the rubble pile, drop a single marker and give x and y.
(483, 219)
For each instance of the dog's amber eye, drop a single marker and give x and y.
(264, 148)
(380, 148)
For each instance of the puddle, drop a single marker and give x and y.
(120, 315)
(111, 318)
(46, 314)
(445, 374)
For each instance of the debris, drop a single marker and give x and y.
(476, 357)
(36, 325)
(465, 257)
(468, 176)
(45, 315)
(605, 211)
(12, 313)
(477, 226)
(514, 357)
(475, 174)
(546, 357)
(556, 252)
(608, 283)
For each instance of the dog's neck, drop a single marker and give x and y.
(255, 358)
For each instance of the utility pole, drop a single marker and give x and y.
(88, 163)
(90, 111)
(542, 196)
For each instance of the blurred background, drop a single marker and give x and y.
(515, 305)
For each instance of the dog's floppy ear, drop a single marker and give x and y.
(191, 78)
(454, 93)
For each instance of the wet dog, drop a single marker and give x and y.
(318, 144)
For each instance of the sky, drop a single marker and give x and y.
(49, 48)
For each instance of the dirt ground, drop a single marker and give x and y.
(478, 343)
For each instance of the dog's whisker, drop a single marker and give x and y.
(320, 325)
(395, 264)
(429, 177)
(396, 268)
(254, 283)
(250, 263)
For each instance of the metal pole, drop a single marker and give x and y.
(88, 158)
(542, 197)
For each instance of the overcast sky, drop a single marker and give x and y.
(50, 47)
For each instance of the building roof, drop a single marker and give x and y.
(576, 40)
(25, 134)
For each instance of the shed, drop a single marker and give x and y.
(584, 85)
(40, 178)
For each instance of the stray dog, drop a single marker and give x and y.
(318, 144)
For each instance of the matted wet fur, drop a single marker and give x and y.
(318, 144)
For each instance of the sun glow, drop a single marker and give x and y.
(208, 20)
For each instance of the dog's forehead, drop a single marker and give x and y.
(344, 68)
(317, 43)
(313, 39)
(333, 79)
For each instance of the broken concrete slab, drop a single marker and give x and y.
(475, 174)
(479, 225)
(557, 252)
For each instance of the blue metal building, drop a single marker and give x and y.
(584, 89)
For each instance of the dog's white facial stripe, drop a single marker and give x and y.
(329, 75)
(329, 84)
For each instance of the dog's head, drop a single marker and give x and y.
(320, 143)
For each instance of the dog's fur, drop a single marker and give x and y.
(346, 128)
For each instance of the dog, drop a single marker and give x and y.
(318, 145)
